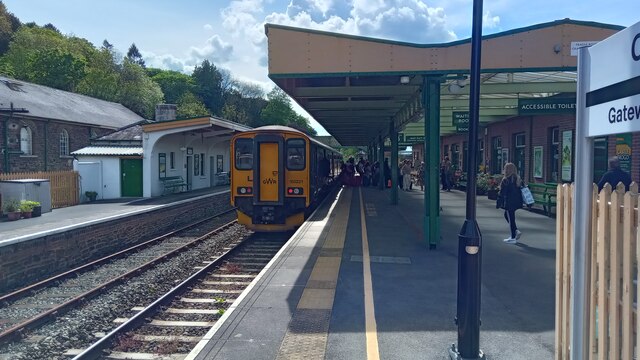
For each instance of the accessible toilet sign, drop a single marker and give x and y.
(612, 84)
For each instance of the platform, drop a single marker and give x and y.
(310, 302)
(85, 214)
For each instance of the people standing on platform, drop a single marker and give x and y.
(420, 176)
(510, 199)
(375, 173)
(615, 175)
(387, 173)
(406, 175)
(447, 175)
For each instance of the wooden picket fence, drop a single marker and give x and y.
(614, 330)
(64, 185)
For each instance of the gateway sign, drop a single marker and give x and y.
(612, 84)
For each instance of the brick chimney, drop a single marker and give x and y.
(165, 112)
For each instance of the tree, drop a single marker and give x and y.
(56, 68)
(174, 84)
(107, 45)
(137, 91)
(232, 113)
(51, 27)
(102, 78)
(190, 106)
(9, 24)
(134, 55)
(208, 82)
(26, 42)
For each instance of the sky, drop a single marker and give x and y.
(177, 35)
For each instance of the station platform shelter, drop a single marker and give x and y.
(383, 94)
(357, 282)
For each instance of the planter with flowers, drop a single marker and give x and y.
(493, 187)
(26, 208)
(12, 208)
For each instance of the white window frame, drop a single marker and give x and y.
(26, 141)
(64, 143)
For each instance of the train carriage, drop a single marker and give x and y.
(278, 175)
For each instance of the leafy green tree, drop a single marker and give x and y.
(56, 68)
(190, 106)
(233, 113)
(107, 45)
(9, 24)
(174, 84)
(51, 27)
(26, 42)
(137, 91)
(134, 55)
(102, 77)
(208, 82)
(279, 112)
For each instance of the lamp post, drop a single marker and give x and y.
(470, 239)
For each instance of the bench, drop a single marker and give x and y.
(545, 195)
(172, 183)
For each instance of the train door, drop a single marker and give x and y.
(269, 170)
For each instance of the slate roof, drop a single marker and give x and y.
(45, 102)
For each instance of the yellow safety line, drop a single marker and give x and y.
(369, 308)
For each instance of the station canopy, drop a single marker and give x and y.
(356, 87)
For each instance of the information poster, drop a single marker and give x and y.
(537, 161)
(623, 151)
(567, 146)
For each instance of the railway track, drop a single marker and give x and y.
(31, 308)
(173, 324)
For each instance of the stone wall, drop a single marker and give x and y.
(35, 259)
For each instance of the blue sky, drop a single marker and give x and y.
(179, 34)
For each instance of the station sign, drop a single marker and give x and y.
(542, 106)
(461, 121)
(576, 45)
(612, 84)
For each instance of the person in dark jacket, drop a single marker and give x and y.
(510, 199)
(615, 175)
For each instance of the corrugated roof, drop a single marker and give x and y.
(110, 151)
(45, 102)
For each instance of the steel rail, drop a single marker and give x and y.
(46, 316)
(95, 350)
(70, 273)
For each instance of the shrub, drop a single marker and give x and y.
(26, 206)
(12, 206)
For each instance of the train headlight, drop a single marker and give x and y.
(295, 191)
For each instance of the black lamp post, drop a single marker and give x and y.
(470, 239)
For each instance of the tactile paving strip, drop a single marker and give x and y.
(308, 331)
(307, 335)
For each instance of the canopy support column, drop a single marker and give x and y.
(393, 134)
(381, 182)
(431, 93)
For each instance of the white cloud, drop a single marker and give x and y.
(489, 21)
(208, 27)
(214, 49)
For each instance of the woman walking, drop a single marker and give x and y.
(510, 199)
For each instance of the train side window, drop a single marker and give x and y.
(296, 154)
(244, 154)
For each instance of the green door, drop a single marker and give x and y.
(131, 177)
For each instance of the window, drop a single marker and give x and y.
(519, 152)
(172, 160)
(26, 141)
(554, 154)
(296, 154)
(496, 155)
(202, 164)
(243, 149)
(162, 165)
(196, 166)
(64, 143)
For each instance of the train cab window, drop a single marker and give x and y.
(244, 154)
(296, 154)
